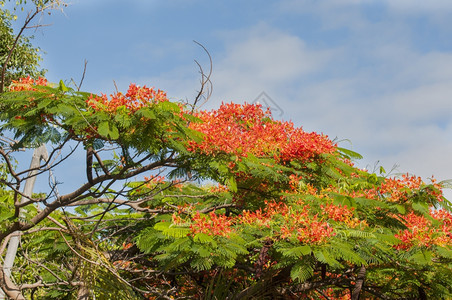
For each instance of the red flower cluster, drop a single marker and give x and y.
(213, 225)
(301, 224)
(342, 214)
(314, 232)
(135, 98)
(294, 182)
(445, 218)
(242, 129)
(421, 232)
(398, 188)
(27, 84)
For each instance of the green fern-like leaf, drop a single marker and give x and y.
(171, 230)
(327, 257)
(357, 233)
(301, 271)
(202, 238)
(444, 252)
(296, 252)
(201, 264)
(345, 252)
(421, 257)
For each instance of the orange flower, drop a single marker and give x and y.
(422, 232)
(135, 98)
(213, 225)
(27, 84)
(242, 129)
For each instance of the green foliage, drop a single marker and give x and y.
(25, 58)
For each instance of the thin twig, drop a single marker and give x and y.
(205, 80)
(83, 76)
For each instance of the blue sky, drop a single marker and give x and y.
(378, 73)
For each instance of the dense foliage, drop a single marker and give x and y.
(229, 203)
(23, 60)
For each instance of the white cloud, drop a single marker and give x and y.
(264, 59)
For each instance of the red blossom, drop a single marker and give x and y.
(27, 84)
(242, 129)
(214, 224)
(135, 98)
(300, 224)
(422, 232)
(315, 232)
(445, 219)
(397, 189)
(342, 214)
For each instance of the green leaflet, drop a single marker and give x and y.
(301, 271)
(444, 252)
(343, 251)
(423, 257)
(327, 257)
(108, 130)
(62, 87)
(172, 231)
(232, 184)
(371, 203)
(343, 200)
(349, 153)
(44, 103)
(357, 233)
(235, 248)
(296, 252)
(421, 207)
(146, 112)
(202, 238)
(169, 106)
(124, 120)
(201, 263)
(400, 209)
(387, 238)
(202, 251)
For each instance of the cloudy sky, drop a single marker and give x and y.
(375, 72)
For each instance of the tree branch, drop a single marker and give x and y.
(9, 288)
(359, 283)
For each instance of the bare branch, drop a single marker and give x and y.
(83, 76)
(205, 80)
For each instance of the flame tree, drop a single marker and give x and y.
(183, 203)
